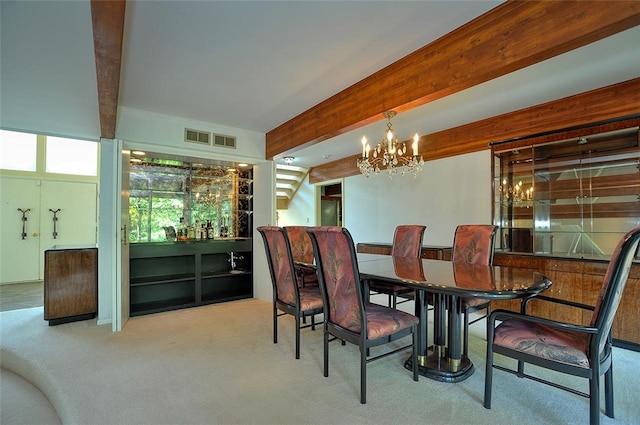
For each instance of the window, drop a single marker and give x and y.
(18, 151)
(28, 152)
(70, 156)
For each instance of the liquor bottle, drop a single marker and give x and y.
(182, 230)
(198, 230)
(210, 233)
(191, 233)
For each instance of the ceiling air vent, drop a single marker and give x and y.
(224, 141)
(197, 136)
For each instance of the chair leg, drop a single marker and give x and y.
(275, 324)
(488, 379)
(608, 392)
(363, 374)
(594, 399)
(326, 352)
(313, 322)
(414, 354)
(297, 336)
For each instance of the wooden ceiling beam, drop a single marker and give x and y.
(608, 103)
(512, 36)
(108, 28)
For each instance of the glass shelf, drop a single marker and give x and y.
(571, 198)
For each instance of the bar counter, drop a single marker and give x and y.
(181, 274)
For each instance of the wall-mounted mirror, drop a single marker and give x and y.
(178, 198)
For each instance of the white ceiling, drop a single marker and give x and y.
(256, 64)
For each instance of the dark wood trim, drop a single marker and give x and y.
(433, 252)
(108, 28)
(581, 110)
(512, 36)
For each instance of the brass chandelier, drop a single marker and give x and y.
(390, 153)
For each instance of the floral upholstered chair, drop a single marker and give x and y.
(302, 251)
(407, 242)
(583, 351)
(288, 297)
(473, 244)
(346, 314)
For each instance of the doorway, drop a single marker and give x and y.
(28, 228)
(330, 205)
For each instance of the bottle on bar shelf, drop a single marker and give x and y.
(182, 230)
(210, 234)
(198, 230)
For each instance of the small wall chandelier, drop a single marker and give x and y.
(390, 153)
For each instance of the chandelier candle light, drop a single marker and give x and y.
(391, 154)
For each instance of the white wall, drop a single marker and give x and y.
(264, 177)
(107, 229)
(446, 193)
(301, 211)
(165, 134)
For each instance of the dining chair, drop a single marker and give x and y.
(288, 297)
(347, 315)
(473, 244)
(407, 242)
(302, 251)
(583, 351)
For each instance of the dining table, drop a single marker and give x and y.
(444, 284)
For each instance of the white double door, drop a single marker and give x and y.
(22, 243)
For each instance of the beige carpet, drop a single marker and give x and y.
(218, 365)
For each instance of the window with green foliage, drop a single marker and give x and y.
(163, 191)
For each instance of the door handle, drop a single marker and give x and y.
(124, 238)
(35, 234)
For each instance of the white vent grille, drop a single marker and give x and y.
(197, 136)
(224, 141)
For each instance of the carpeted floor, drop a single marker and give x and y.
(218, 365)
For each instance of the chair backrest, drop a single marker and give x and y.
(407, 241)
(474, 244)
(281, 267)
(301, 246)
(613, 286)
(339, 277)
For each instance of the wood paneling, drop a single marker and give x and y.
(579, 281)
(616, 101)
(108, 28)
(511, 36)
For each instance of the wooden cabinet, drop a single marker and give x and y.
(432, 252)
(174, 275)
(70, 284)
(578, 281)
